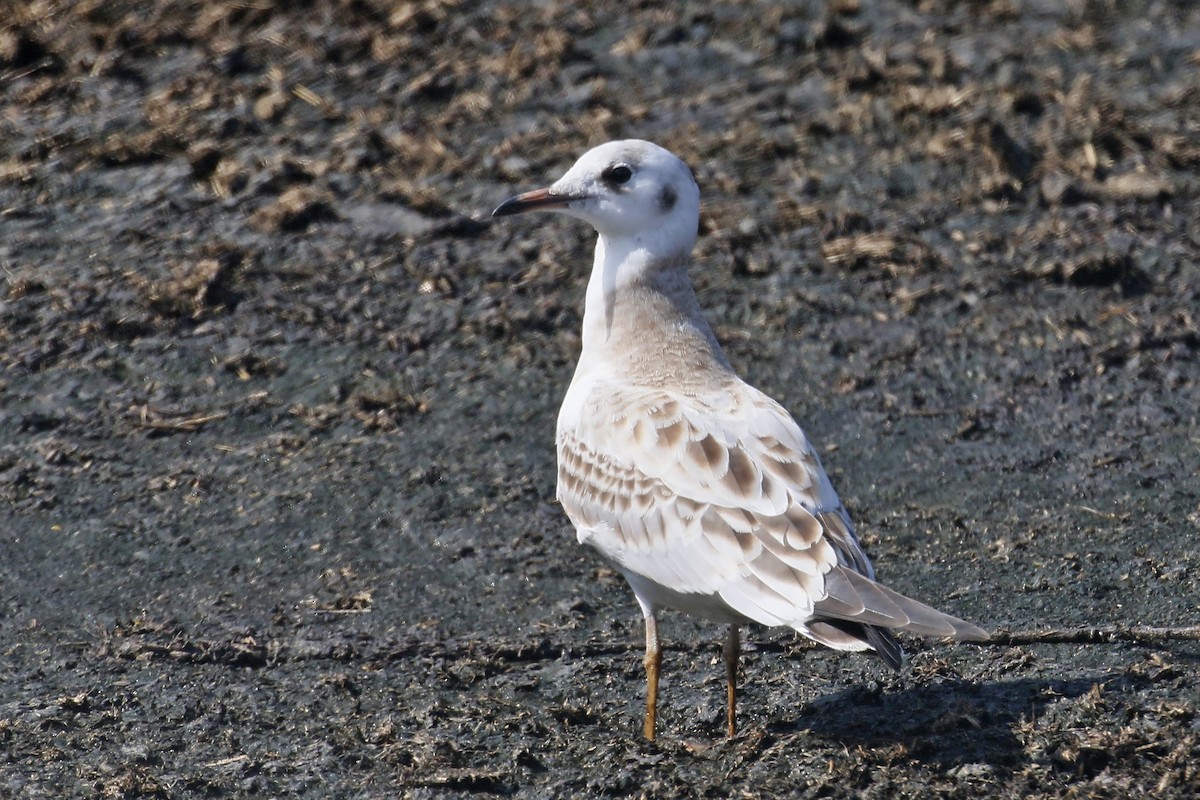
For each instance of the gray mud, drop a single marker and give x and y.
(277, 401)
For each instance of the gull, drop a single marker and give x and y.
(701, 490)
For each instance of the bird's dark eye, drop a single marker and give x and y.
(617, 174)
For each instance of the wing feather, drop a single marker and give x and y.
(719, 505)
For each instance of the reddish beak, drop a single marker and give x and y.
(537, 200)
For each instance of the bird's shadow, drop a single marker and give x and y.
(951, 723)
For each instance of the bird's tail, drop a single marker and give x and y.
(859, 614)
(842, 635)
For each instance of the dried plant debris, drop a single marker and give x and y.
(295, 210)
(194, 288)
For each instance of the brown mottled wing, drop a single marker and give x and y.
(721, 501)
(713, 496)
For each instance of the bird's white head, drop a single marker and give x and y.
(631, 191)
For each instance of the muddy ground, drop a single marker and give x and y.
(277, 399)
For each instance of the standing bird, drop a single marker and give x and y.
(703, 491)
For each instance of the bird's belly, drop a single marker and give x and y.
(705, 606)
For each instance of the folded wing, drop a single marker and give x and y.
(722, 497)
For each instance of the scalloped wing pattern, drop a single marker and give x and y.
(721, 499)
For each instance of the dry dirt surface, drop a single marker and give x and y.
(277, 400)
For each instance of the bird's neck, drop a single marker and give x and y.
(642, 317)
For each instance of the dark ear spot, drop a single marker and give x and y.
(666, 199)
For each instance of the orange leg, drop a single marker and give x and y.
(652, 661)
(730, 654)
